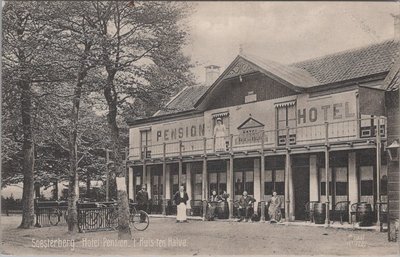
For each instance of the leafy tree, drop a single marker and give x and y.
(138, 41)
(26, 65)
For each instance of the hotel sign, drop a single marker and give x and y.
(335, 107)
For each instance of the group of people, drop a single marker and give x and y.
(246, 208)
(245, 205)
(180, 198)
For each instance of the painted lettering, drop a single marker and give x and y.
(180, 132)
(336, 111)
(193, 131)
(301, 116)
(166, 134)
(313, 114)
(159, 135)
(201, 130)
(325, 109)
(173, 134)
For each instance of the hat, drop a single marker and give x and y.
(219, 119)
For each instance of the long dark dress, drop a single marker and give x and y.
(274, 209)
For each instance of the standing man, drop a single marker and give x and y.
(142, 198)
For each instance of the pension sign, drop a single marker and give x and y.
(180, 130)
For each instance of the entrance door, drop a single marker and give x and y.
(301, 183)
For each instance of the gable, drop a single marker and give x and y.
(241, 67)
(244, 81)
(250, 123)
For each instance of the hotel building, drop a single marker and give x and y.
(315, 130)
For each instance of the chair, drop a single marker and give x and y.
(236, 209)
(341, 211)
(354, 211)
(309, 210)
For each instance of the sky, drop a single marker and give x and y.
(285, 32)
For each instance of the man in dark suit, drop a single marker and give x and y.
(245, 206)
(142, 198)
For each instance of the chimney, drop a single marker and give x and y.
(212, 73)
(396, 18)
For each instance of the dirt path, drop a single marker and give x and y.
(164, 236)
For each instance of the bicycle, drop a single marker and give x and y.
(138, 219)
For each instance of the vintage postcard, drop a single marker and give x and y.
(190, 128)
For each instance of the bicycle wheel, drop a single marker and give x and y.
(139, 220)
(54, 217)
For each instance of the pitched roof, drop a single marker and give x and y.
(291, 74)
(395, 83)
(353, 63)
(337, 67)
(184, 100)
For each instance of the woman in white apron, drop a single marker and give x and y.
(181, 199)
(219, 134)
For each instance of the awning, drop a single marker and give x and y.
(285, 104)
(220, 115)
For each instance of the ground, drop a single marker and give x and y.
(164, 236)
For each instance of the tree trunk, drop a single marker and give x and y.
(124, 231)
(28, 161)
(73, 186)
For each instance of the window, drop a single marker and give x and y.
(244, 181)
(340, 180)
(225, 120)
(197, 189)
(367, 180)
(323, 180)
(145, 142)
(217, 182)
(138, 183)
(175, 185)
(157, 187)
(274, 180)
(286, 117)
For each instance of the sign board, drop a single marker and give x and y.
(339, 110)
(329, 108)
(188, 129)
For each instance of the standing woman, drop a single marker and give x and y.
(219, 134)
(180, 199)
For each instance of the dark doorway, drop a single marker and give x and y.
(301, 178)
